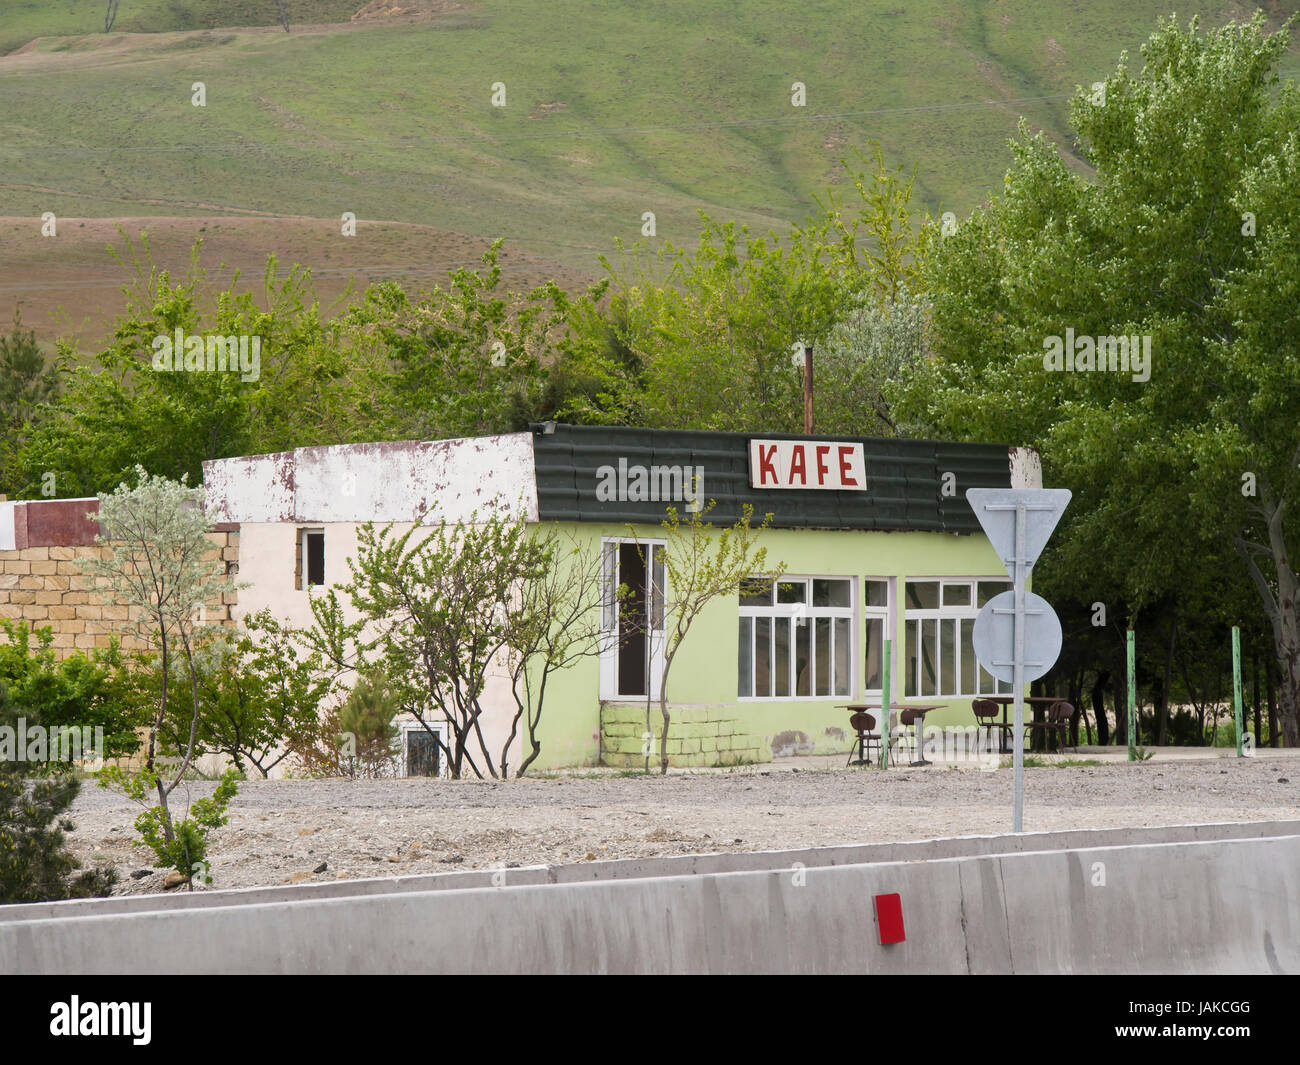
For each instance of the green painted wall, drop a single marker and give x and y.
(704, 673)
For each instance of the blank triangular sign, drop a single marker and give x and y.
(996, 510)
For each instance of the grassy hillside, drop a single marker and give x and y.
(613, 109)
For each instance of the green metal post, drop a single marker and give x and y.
(885, 700)
(1236, 688)
(1132, 699)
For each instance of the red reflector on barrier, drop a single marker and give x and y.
(889, 918)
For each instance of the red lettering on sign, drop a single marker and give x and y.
(765, 464)
(846, 457)
(822, 469)
(797, 467)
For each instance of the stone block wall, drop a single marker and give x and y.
(697, 736)
(44, 583)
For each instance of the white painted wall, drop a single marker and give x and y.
(7, 526)
(266, 561)
(377, 482)
(339, 488)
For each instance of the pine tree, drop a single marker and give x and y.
(35, 864)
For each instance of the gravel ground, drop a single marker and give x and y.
(280, 831)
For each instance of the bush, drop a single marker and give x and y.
(356, 739)
(81, 691)
(177, 843)
(35, 865)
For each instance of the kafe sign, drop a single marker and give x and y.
(824, 464)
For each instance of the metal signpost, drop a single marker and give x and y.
(885, 701)
(1236, 691)
(1018, 523)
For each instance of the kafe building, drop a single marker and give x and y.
(876, 537)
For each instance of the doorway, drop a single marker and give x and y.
(633, 624)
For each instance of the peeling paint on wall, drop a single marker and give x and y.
(1026, 467)
(785, 744)
(382, 482)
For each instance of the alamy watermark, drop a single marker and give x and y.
(1126, 354)
(651, 484)
(64, 743)
(77, 1018)
(210, 352)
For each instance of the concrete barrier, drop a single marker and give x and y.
(1221, 906)
(675, 865)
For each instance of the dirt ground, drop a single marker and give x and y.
(72, 287)
(281, 831)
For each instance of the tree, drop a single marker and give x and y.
(357, 738)
(35, 864)
(1187, 235)
(703, 338)
(156, 561)
(432, 608)
(874, 348)
(94, 691)
(554, 622)
(25, 384)
(312, 383)
(466, 360)
(699, 566)
(260, 696)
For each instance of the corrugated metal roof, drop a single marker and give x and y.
(904, 479)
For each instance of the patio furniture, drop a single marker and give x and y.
(1058, 717)
(915, 718)
(864, 725)
(1031, 701)
(986, 717)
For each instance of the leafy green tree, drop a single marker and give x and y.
(311, 386)
(365, 726)
(157, 561)
(1187, 232)
(432, 609)
(80, 691)
(700, 564)
(25, 384)
(869, 353)
(466, 359)
(260, 696)
(703, 338)
(178, 842)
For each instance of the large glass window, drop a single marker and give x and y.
(796, 638)
(940, 618)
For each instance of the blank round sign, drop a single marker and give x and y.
(993, 636)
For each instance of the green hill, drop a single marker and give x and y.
(612, 109)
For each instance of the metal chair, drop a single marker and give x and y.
(914, 719)
(1058, 718)
(987, 717)
(864, 725)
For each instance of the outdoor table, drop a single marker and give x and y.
(920, 709)
(1009, 700)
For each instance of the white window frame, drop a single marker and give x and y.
(438, 729)
(888, 614)
(803, 614)
(303, 532)
(912, 686)
(607, 690)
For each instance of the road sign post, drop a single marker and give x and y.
(1236, 689)
(1018, 523)
(885, 700)
(1132, 697)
